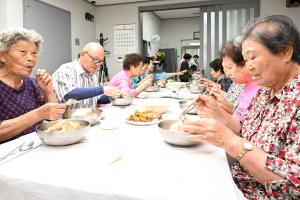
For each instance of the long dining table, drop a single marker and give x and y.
(117, 160)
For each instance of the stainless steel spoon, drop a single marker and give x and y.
(26, 145)
(22, 147)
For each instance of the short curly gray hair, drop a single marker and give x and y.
(9, 37)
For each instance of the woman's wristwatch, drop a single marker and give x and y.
(247, 146)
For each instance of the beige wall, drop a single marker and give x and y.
(151, 25)
(175, 30)
(106, 18)
(80, 28)
(268, 7)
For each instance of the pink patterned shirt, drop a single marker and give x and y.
(244, 99)
(122, 81)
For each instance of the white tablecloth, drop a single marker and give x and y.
(145, 166)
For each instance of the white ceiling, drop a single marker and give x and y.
(179, 13)
(109, 2)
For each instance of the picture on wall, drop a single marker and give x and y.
(196, 35)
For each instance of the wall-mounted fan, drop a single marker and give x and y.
(154, 44)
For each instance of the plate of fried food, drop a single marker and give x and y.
(144, 118)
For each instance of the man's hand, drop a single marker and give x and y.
(112, 91)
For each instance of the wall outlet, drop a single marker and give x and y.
(77, 41)
(119, 59)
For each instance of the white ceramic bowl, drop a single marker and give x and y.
(197, 88)
(162, 83)
(155, 106)
(125, 101)
(174, 137)
(62, 138)
(175, 86)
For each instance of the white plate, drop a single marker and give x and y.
(108, 125)
(143, 123)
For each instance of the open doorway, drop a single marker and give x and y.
(164, 31)
(209, 24)
(190, 46)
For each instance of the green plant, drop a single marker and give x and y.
(160, 55)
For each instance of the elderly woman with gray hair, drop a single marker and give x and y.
(267, 144)
(24, 101)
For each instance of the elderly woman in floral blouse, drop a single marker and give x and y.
(266, 145)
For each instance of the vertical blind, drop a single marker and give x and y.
(219, 24)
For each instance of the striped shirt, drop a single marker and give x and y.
(70, 76)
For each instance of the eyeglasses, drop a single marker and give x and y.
(94, 60)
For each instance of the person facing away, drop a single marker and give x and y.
(78, 79)
(185, 66)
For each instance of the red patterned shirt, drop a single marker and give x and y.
(272, 124)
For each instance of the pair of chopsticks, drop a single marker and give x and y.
(192, 105)
(188, 108)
